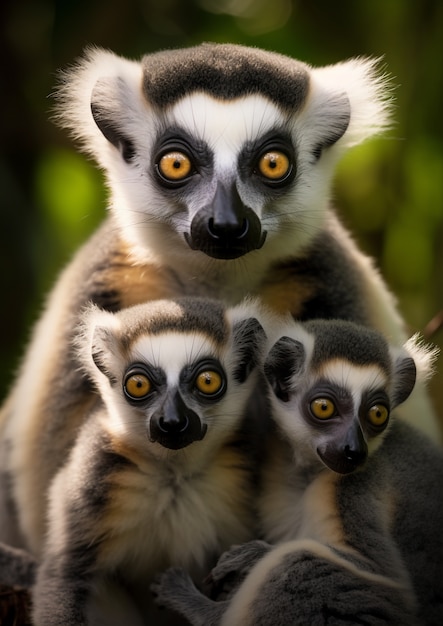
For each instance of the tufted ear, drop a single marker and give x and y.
(109, 109)
(99, 100)
(248, 338)
(97, 342)
(413, 363)
(350, 101)
(285, 360)
(104, 351)
(332, 123)
(405, 374)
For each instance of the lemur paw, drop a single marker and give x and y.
(171, 586)
(234, 565)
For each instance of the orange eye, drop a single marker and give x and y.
(323, 408)
(378, 415)
(209, 382)
(175, 165)
(274, 165)
(138, 386)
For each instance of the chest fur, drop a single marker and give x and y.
(163, 515)
(297, 503)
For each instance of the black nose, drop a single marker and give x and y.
(356, 456)
(226, 229)
(234, 231)
(345, 453)
(175, 425)
(355, 448)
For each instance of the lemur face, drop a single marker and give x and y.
(173, 373)
(333, 387)
(220, 149)
(176, 397)
(225, 177)
(224, 166)
(346, 408)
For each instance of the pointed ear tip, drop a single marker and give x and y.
(424, 356)
(248, 336)
(248, 328)
(285, 358)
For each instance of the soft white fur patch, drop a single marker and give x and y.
(369, 92)
(354, 378)
(172, 351)
(226, 126)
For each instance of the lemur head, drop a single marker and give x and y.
(334, 385)
(172, 372)
(220, 148)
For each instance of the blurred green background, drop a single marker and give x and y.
(389, 192)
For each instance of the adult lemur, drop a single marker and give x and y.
(219, 159)
(351, 499)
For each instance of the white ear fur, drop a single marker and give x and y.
(253, 307)
(424, 356)
(368, 92)
(73, 110)
(413, 365)
(94, 318)
(353, 85)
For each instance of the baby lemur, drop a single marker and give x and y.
(161, 472)
(351, 505)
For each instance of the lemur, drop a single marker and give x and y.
(161, 471)
(219, 160)
(351, 508)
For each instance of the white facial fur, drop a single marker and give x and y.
(226, 127)
(170, 351)
(290, 220)
(148, 219)
(304, 439)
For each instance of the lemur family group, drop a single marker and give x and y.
(220, 418)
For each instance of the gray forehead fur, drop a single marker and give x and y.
(341, 339)
(225, 71)
(182, 315)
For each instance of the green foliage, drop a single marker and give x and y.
(69, 194)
